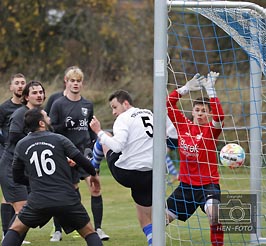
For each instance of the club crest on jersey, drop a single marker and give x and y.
(84, 111)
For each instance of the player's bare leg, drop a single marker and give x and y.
(144, 216)
(97, 208)
(15, 233)
(216, 232)
(18, 206)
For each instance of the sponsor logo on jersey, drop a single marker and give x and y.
(84, 122)
(188, 149)
(69, 121)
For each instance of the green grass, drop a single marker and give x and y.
(196, 230)
(120, 221)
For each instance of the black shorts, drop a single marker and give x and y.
(72, 217)
(78, 173)
(12, 192)
(2, 148)
(75, 175)
(184, 201)
(81, 173)
(140, 182)
(172, 143)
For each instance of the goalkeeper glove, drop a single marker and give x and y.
(209, 83)
(194, 84)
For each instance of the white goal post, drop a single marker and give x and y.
(257, 67)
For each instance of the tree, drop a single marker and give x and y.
(40, 38)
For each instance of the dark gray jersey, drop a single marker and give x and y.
(51, 100)
(16, 128)
(17, 120)
(71, 119)
(6, 110)
(43, 156)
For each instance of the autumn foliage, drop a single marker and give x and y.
(107, 38)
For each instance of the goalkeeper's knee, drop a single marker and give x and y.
(211, 209)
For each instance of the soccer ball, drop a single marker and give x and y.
(232, 155)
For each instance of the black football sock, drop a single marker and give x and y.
(11, 238)
(93, 239)
(7, 213)
(97, 210)
(57, 225)
(22, 237)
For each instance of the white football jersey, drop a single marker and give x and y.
(133, 137)
(170, 129)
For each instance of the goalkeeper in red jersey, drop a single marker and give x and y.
(198, 174)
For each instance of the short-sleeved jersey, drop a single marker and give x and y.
(170, 129)
(16, 126)
(43, 155)
(197, 143)
(6, 110)
(76, 115)
(133, 137)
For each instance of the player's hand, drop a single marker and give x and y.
(195, 84)
(211, 80)
(95, 125)
(95, 183)
(71, 163)
(209, 83)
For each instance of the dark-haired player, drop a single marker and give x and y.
(33, 95)
(16, 85)
(129, 153)
(43, 156)
(198, 174)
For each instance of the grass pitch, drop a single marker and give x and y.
(121, 224)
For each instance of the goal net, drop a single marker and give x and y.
(229, 38)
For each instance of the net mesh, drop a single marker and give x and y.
(245, 26)
(201, 40)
